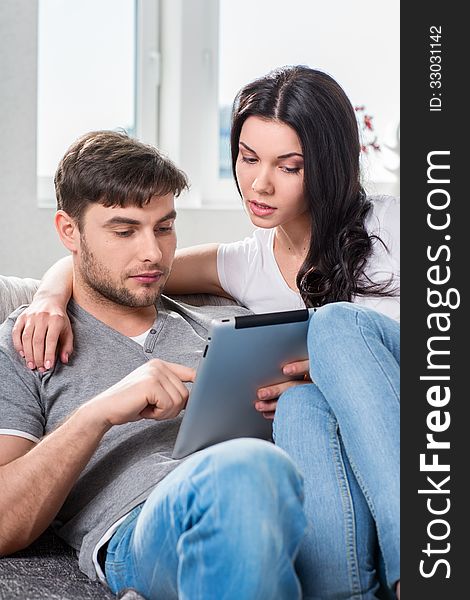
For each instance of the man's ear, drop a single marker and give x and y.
(68, 230)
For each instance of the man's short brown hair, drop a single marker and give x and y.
(113, 169)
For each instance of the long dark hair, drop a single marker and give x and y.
(319, 111)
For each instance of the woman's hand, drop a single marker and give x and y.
(298, 369)
(42, 329)
(268, 396)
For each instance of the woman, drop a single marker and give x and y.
(320, 243)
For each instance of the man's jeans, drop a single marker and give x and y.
(226, 524)
(343, 434)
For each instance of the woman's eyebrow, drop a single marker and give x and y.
(247, 147)
(287, 155)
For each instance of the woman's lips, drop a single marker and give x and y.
(259, 209)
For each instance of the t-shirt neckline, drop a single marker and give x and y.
(276, 266)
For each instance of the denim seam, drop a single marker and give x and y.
(362, 328)
(196, 508)
(179, 512)
(397, 397)
(353, 567)
(362, 485)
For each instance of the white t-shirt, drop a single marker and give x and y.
(248, 270)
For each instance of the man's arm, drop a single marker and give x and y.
(35, 480)
(35, 485)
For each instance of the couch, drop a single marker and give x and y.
(48, 568)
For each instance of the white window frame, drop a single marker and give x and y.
(147, 84)
(189, 106)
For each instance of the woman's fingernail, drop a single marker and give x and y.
(66, 358)
(30, 365)
(47, 364)
(21, 353)
(288, 370)
(262, 394)
(41, 369)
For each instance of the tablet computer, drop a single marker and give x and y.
(242, 354)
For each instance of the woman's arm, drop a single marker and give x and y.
(194, 271)
(44, 325)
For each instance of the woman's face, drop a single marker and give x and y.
(270, 172)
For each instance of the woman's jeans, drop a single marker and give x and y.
(226, 524)
(343, 434)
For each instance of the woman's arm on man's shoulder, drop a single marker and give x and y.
(44, 325)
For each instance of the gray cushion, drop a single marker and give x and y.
(14, 292)
(47, 569)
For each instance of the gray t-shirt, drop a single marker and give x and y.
(131, 458)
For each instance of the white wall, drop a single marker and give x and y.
(27, 239)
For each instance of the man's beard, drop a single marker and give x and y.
(96, 276)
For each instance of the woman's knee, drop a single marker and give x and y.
(296, 407)
(336, 327)
(339, 316)
(332, 317)
(299, 399)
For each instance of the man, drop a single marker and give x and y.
(88, 445)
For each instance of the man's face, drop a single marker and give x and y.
(126, 254)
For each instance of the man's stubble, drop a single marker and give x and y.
(97, 278)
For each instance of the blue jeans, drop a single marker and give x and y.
(225, 524)
(343, 434)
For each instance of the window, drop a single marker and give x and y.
(97, 69)
(167, 71)
(225, 44)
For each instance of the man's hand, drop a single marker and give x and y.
(35, 481)
(268, 396)
(41, 329)
(154, 390)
